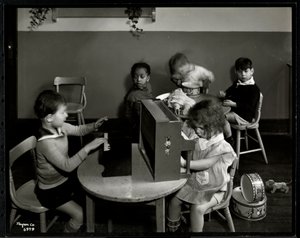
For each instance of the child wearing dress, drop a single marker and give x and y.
(141, 89)
(182, 70)
(242, 96)
(54, 188)
(211, 158)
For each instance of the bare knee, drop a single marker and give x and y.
(198, 209)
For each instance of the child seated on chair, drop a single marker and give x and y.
(182, 70)
(242, 96)
(141, 89)
(212, 156)
(54, 188)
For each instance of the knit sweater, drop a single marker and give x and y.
(53, 162)
(246, 98)
(132, 100)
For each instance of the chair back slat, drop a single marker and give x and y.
(72, 81)
(69, 81)
(258, 108)
(28, 144)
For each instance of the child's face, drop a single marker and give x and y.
(141, 78)
(199, 130)
(245, 75)
(59, 117)
(185, 69)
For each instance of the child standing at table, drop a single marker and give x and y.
(182, 70)
(54, 188)
(141, 89)
(212, 156)
(242, 96)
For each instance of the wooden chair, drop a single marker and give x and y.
(73, 88)
(251, 126)
(24, 197)
(224, 204)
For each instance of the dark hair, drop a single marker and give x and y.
(138, 66)
(177, 61)
(209, 113)
(243, 64)
(47, 103)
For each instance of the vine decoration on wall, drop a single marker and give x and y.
(134, 13)
(37, 17)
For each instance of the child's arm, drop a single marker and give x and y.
(82, 130)
(61, 160)
(202, 164)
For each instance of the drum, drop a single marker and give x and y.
(253, 188)
(246, 210)
(191, 89)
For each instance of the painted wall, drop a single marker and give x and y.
(105, 56)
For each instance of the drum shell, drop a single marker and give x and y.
(252, 187)
(254, 211)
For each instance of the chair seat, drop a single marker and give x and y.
(74, 107)
(26, 196)
(244, 127)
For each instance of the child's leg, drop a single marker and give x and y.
(75, 212)
(197, 215)
(174, 213)
(227, 130)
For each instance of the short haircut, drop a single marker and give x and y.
(177, 61)
(209, 113)
(47, 103)
(139, 65)
(243, 64)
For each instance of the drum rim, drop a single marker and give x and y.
(255, 197)
(250, 204)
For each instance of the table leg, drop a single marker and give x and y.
(90, 214)
(160, 214)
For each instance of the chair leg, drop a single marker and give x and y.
(82, 119)
(13, 213)
(261, 145)
(229, 219)
(238, 146)
(43, 222)
(80, 123)
(246, 139)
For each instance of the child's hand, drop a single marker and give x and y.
(182, 162)
(94, 144)
(222, 94)
(229, 103)
(99, 122)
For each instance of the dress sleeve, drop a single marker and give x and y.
(60, 160)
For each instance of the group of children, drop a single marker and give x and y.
(206, 124)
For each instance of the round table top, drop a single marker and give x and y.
(121, 188)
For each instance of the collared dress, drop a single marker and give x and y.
(202, 185)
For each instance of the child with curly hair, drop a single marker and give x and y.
(212, 156)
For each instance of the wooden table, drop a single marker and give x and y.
(125, 189)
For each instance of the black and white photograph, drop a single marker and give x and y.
(149, 119)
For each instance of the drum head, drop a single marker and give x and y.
(252, 187)
(247, 188)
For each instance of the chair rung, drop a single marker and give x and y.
(221, 215)
(52, 222)
(251, 137)
(250, 151)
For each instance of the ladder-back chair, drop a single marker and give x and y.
(24, 197)
(245, 128)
